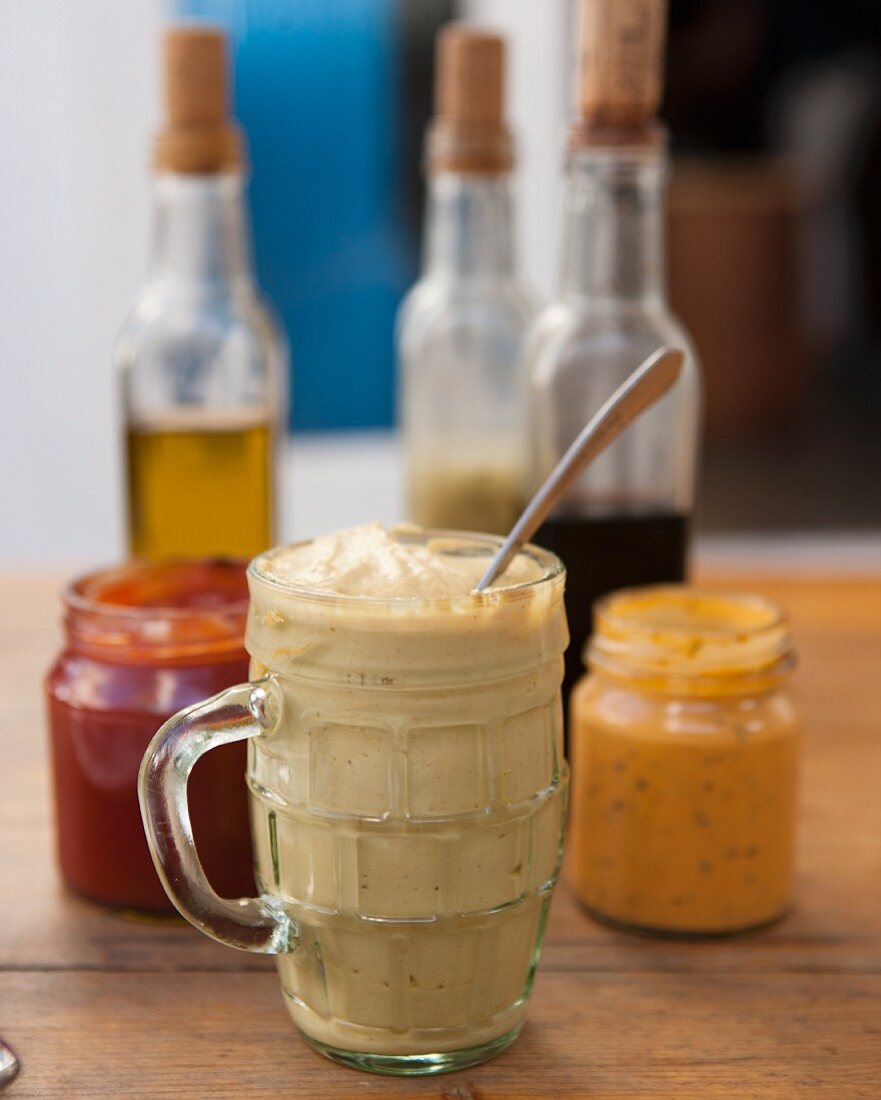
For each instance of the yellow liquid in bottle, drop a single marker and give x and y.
(197, 492)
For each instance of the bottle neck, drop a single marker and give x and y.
(468, 229)
(201, 236)
(614, 226)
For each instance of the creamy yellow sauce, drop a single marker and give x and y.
(408, 811)
(684, 768)
(395, 564)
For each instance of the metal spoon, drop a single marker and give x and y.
(650, 381)
(9, 1065)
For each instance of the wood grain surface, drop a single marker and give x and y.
(98, 1005)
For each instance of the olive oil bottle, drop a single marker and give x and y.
(201, 358)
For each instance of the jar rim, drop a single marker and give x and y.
(134, 610)
(767, 614)
(679, 632)
(553, 568)
(80, 594)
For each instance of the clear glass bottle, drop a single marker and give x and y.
(460, 328)
(200, 356)
(625, 522)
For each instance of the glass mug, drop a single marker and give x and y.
(407, 791)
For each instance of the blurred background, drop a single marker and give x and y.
(774, 230)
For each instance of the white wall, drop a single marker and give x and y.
(540, 51)
(78, 95)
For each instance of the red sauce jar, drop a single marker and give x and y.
(143, 641)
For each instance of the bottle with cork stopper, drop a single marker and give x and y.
(460, 328)
(626, 521)
(201, 358)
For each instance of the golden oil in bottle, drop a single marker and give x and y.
(200, 491)
(200, 358)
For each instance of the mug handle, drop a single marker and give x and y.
(247, 710)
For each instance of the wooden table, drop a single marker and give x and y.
(101, 1006)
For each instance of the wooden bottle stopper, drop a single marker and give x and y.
(468, 133)
(620, 69)
(198, 135)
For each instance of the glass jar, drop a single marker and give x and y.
(685, 745)
(407, 797)
(141, 642)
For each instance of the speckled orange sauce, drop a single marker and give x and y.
(684, 752)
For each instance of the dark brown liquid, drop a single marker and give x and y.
(602, 553)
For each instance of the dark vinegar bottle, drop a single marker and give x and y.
(626, 522)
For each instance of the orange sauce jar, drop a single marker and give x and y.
(684, 752)
(142, 642)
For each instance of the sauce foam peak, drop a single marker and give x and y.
(379, 563)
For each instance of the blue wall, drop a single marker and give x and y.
(317, 88)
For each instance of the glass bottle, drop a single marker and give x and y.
(201, 358)
(626, 520)
(460, 328)
(685, 744)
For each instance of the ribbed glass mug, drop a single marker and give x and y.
(407, 790)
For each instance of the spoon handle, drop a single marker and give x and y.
(650, 381)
